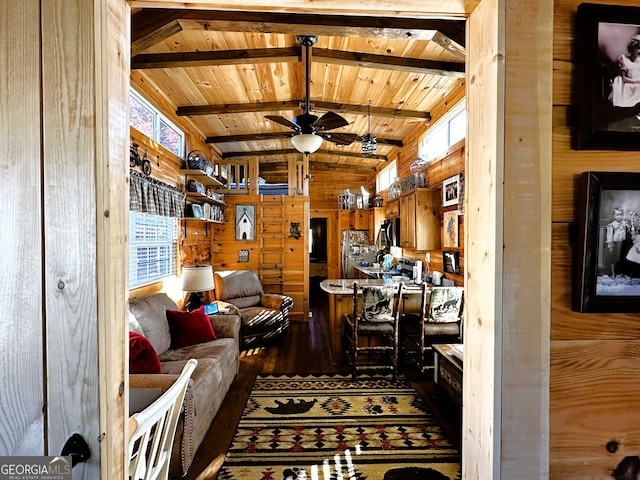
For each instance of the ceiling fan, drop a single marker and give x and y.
(310, 129)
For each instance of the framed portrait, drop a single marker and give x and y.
(607, 57)
(451, 191)
(451, 262)
(245, 222)
(450, 229)
(607, 275)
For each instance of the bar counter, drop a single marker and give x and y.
(340, 292)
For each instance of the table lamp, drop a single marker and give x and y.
(196, 279)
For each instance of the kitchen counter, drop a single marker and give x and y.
(340, 292)
(344, 286)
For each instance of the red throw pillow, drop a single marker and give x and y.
(189, 328)
(142, 357)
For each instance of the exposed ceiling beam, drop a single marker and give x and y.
(450, 34)
(151, 26)
(293, 151)
(216, 58)
(291, 54)
(278, 135)
(388, 62)
(282, 168)
(226, 108)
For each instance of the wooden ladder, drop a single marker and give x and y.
(272, 222)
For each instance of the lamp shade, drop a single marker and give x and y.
(307, 142)
(197, 278)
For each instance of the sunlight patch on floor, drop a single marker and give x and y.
(251, 352)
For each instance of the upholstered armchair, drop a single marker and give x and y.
(264, 316)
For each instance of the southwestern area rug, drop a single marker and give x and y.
(327, 427)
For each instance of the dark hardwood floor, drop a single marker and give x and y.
(303, 350)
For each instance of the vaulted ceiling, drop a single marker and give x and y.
(226, 70)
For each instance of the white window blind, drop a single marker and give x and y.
(153, 248)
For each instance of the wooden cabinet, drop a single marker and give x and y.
(420, 221)
(359, 219)
(392, 208)
(376, 216)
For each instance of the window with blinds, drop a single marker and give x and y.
(153, 248)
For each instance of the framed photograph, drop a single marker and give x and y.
(197, 210)
(451, 262)
(245, 222)
(450, 229)
(608, 255)
(451, 191)
(199, 187)
(607, 50)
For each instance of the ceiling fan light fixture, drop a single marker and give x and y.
(306, 142)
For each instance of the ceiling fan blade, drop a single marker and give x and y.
(283, 121)
(340, 138)
(329, 121)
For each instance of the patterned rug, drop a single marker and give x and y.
(326, 427)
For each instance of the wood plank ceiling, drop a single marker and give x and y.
(227, 70)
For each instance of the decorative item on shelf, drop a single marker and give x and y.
(197, 160)
(378, 201)
(135, 161)
(346, 200)
(394, 189)
(410, 183)
(196, 279)
(362, 199)
(418, 163)
(369, 141)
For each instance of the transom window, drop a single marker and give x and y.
(386, 176)
(449, 130)
(151, 122)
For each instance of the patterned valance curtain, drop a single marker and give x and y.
(149, 195)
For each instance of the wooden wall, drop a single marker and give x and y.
(594, 357)
(280, 259)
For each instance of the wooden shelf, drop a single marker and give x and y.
(197, 197)
(205, 220)
(202, 177)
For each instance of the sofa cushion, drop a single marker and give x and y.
(149, 311)
(189, 328)
(237, 283)
(142, 357)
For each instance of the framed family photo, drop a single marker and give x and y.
(451, 191)
(607, 80)
(607, 277)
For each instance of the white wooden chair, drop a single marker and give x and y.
(152, 431)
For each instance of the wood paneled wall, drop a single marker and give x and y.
(594, 357)
(294, 269)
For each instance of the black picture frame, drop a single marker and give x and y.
(607, 276)
(605, 118)
(451, 262)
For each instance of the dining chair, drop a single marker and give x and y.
(152, 431)
(439, 320)
(372, 329)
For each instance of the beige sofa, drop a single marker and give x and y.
(216, 370)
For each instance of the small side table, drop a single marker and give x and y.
(448, 373)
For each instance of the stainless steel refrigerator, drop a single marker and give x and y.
(356, 250)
